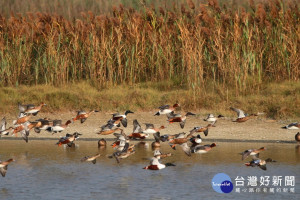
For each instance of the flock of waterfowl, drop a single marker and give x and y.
(190, 143)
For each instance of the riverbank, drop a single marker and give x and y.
(260, 129)
(276, 100)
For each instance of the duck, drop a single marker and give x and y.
(242, 117)
(119, 137)
(156, 165)
(107, 129)
(156, 143)
(212, 118)
(22, 118)
(179, 118)
(196, 140)
(166, 109)
(168, 137)
(150, 129)
(203, 148)
(58, 126)
(292, 126)
(3, 166)
(158, 152)
(124, 150)
(90, 158)
(199, 129)
(31, 109)
(43, 124)
(101, 143)
(297, 137)
(182, 141)
(69, 139)
(260, 163)
(82, 115)
(122, 118)
(3, 129)
(252, 152)
(24, 130)
(137, 132)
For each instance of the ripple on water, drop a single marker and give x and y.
(44, 171)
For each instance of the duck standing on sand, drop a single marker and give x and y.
(242, 117)
(3, 166)
(179, 118)
(82, 115)
(166, 109)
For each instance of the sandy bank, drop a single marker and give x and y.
(260, 129)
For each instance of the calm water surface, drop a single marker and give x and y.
(44, 171)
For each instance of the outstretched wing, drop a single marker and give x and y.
(164, 107)
(239, 112)
(137, 127)
(186, 149)
(3, 124)
(182, 124)
(124, 122)
(3, 170)
(149, 126)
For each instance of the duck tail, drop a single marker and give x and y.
(146, 167)
(248, 164)
(157, 114)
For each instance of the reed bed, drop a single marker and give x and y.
(192, 46)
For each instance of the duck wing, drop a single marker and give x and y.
(124, 122)
(182, 124)
(164, 107)
(149, 126)
(186, 149)
(3, 170)
(137, 127)
(245, 154)
(239, 112)
(3, 124)
(57, 122)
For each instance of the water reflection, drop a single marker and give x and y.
(42, 167)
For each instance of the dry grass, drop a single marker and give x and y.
(276, 100)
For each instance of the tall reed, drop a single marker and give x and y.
(191, 45)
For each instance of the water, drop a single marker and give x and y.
(44, 171)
